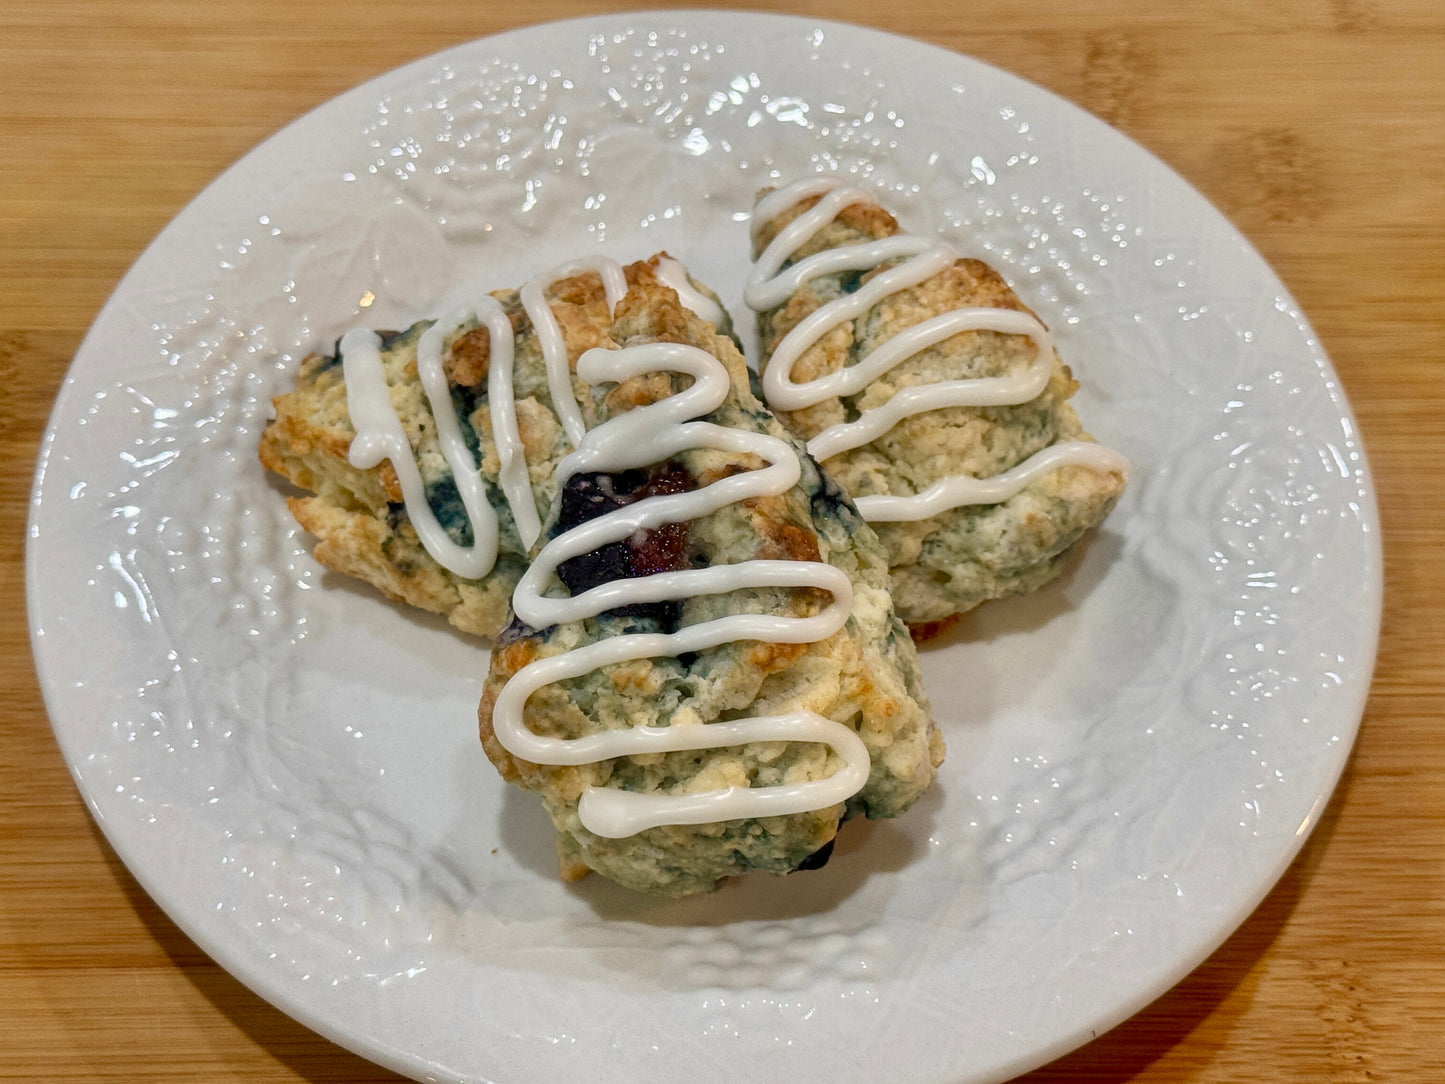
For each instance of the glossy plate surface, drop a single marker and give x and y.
(290, 765)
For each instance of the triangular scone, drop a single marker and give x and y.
(427, 548)
(705, 675)
(930, 393)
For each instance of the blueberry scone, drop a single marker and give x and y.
(428, 454)
(704, 674)
(930, 393)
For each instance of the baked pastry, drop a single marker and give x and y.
(704, 674)
(930, 393)
(429, 453)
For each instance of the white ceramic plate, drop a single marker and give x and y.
(290, 767)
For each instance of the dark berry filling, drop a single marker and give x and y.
(661, 549)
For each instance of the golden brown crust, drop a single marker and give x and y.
(470, 358)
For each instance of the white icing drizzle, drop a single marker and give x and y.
(379, 433)
(963, 489)
(770, 284)
(672, 274)
(549, 334)
(639, 438)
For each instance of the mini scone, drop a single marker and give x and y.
(704, 675)
(428, 454)
(930, 393)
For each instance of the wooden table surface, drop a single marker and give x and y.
(1318, 128)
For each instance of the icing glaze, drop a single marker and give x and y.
(549, 333)
(673, 274)
(379, 436)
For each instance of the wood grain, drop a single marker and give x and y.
(1319, 128)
